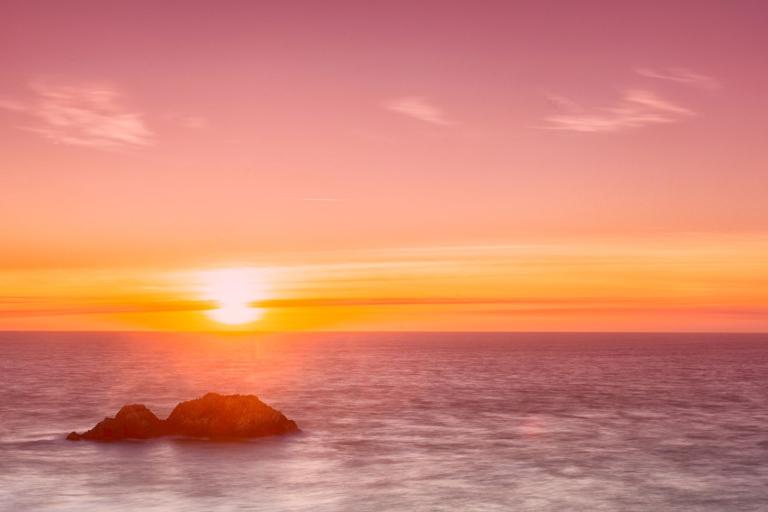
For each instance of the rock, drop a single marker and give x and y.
(212, 416)
(131, 422)
(218, 416)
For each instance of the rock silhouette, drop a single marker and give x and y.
(131, 422)
(213, 416)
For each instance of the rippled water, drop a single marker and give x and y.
(395, 422)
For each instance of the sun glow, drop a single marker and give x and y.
(234, 290)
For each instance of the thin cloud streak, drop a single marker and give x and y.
(637, 108)
(419, 108)
(682, 76)
(11, 105)
(320, 199)
(82, 116)
(108, 308)
(574, 305)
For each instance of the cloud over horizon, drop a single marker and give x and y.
(682, 76)
(86, 115)
(419, 108)
(635, 109)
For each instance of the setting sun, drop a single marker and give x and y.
(233, 290)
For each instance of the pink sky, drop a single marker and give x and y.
(144, 134)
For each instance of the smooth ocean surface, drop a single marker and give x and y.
(395, 422)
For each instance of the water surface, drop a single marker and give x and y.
(417, 422)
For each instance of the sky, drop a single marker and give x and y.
(420, 165)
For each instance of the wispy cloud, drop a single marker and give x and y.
(82, 116)
(320, 199)
(194, 122)
(12, 105)
(187, 121)
(636, 108)
(419, 108)
(680, 75)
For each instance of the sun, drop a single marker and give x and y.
(235, 314)
(233, 290)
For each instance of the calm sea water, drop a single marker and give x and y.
(395, 422)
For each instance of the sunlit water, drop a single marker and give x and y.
(400, 422)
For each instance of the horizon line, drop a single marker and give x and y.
(230, 332)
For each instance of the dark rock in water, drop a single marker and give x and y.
(219, 416)
(212, 416)
(131, 422)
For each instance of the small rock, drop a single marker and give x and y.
(131, 422)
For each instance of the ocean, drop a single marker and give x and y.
(395, 422)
